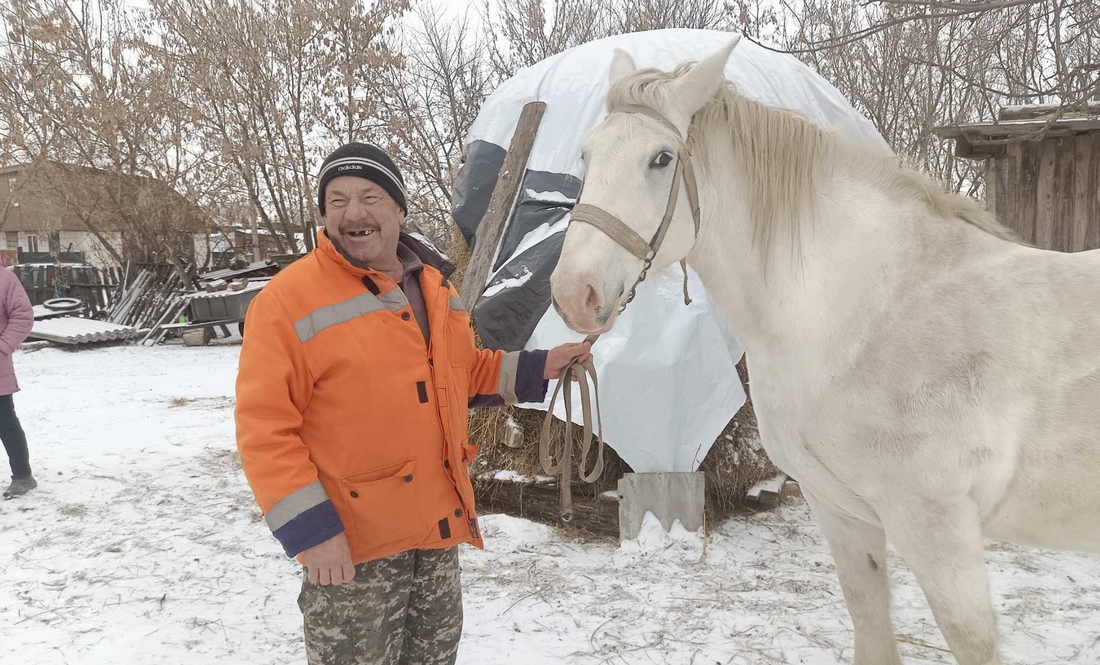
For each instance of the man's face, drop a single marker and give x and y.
(363, 220)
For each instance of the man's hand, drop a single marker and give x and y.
(330, 562)
(560, 356)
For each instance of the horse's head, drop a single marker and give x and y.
(632, 161)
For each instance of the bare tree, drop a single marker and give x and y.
(911, 65)
(433, 99)
(79, 90)
(523, 32)
(639, 15)
(276, 84)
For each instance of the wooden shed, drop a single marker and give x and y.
(1042, 172)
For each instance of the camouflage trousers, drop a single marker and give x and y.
(402, 610)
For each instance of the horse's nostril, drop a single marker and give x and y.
(593, 299)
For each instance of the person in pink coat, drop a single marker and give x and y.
(16, 321)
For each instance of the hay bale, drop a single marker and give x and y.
(735, 463)
(737, 460)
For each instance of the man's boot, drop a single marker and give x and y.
(20, 486)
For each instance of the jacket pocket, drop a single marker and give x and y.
(462, 346)
(383, 504)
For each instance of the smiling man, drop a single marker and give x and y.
(355, 377)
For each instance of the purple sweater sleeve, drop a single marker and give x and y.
(526, 383)
(20, 315)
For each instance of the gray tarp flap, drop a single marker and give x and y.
(474, 184)
(544, 198)
(507, 316)
(518, 293)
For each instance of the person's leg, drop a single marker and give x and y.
(15, 443)
(359, 622)
(433, 626)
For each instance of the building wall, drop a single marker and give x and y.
(204, 254)
(94, 251)
(30, 241)
(70, 241)
(1048, 192)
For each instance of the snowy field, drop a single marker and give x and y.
(143, 545)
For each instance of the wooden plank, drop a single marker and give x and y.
(771, 487)
(1026, 127)
(1011, 215)
(993, 168)
(1062, 215)
(541, 503)
(1025, 193)
(1092, 234)
(492, 224)
(1031, 111)
(997, 174)
(1044, 196)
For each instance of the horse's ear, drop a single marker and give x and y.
(621, 65)
(701, 82)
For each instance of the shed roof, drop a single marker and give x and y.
(980, 140)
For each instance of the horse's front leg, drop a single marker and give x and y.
(859, 550)
(941, 540)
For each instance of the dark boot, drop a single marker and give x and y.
(20, 486)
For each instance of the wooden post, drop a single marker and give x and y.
(491, 227)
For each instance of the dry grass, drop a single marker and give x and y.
(735, 462)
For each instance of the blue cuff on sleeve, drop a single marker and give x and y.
(530, 386)
(481, 401)
(312, 527)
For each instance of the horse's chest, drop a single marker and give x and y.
(806, 437)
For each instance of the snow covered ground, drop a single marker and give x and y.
(143, 545)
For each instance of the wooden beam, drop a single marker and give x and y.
(1043, 111)
(491, 228)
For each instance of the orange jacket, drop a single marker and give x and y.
(346, 419)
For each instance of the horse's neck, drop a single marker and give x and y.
(816, 298)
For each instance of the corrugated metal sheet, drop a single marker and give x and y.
(73, 330)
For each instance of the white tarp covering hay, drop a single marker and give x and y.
(667, 371)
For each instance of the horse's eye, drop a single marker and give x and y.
(663, 159)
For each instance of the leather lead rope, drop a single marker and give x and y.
(564, 468)
(629, 239)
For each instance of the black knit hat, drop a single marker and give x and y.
(365, 161)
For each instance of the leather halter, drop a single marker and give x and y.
(629, 239)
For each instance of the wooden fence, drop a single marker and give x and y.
(92, 285)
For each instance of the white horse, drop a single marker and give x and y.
(927, 379)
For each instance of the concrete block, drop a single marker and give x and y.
(669, 496)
